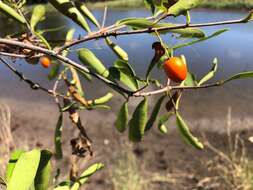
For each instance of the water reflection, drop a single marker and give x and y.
(233, 49)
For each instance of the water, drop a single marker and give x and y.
(233, 50)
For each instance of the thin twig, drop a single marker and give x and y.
(114, 32)
(33, 85)
(66, 60)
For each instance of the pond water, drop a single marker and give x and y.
(233, 50)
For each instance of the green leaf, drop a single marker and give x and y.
(142, 23)
(25, 171)
(154, 114)
(125, 78)
(58, 137)
(88, 58)
(86, 174)
(182, 6)
(62, 188)
(190, 80)
(122, 118)
(201, 39)
(242, 75)
(123, 72)
(150, 4)
(211, 74)
(138, 121)
(249, 17)
(86, 12)
(12, 163)
(188, 137)
(67, 8)
(117, 49)
(54, 70)
(43, 174)
(161, 123)
(38, 15)
(103, 100)
(9, 11)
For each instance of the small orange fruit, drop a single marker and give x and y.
(176, 69)
(45, 61)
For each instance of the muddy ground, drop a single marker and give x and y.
(162, 161)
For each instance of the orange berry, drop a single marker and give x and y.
(176, 69)
(45, 61)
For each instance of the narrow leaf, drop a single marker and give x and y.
(154, 114)
(117, 49)
(43, 174)
(9, 11)
(142, 23)
(58, 137)
(89, 58)
(37, 15)
(243, 75)
(103, 100)
(211, 74)
(86, 12)
(122, 118)
(86, 174)
(161, 123)
(188, 137)
(67, 8)
(217, 33)
(138, 122)
(182, 6)
(25, 171)
(12, 163)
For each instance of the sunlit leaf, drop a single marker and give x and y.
(12, 163)
(190, 80)
(86, 12)
(200, 40)
(182, 6)
(89, 58)
(67, 8)
(161, 123)
(25, 171)
(122, 54)
(43, 174)
(138, 121)
(122, 118)
(9, 11)
(154, 113)
(38, 15)
(102, 100)
(186, 133)
(142, 23)
(86, 174)
(211, 74)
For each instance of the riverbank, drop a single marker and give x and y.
(214, 4)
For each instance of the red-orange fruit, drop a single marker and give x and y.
(45, 61)
(176, 69)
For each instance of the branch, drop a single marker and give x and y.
(169, 88)
(33, 85)
(66, 60)
(114, 32)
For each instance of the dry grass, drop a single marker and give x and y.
(233, 169)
